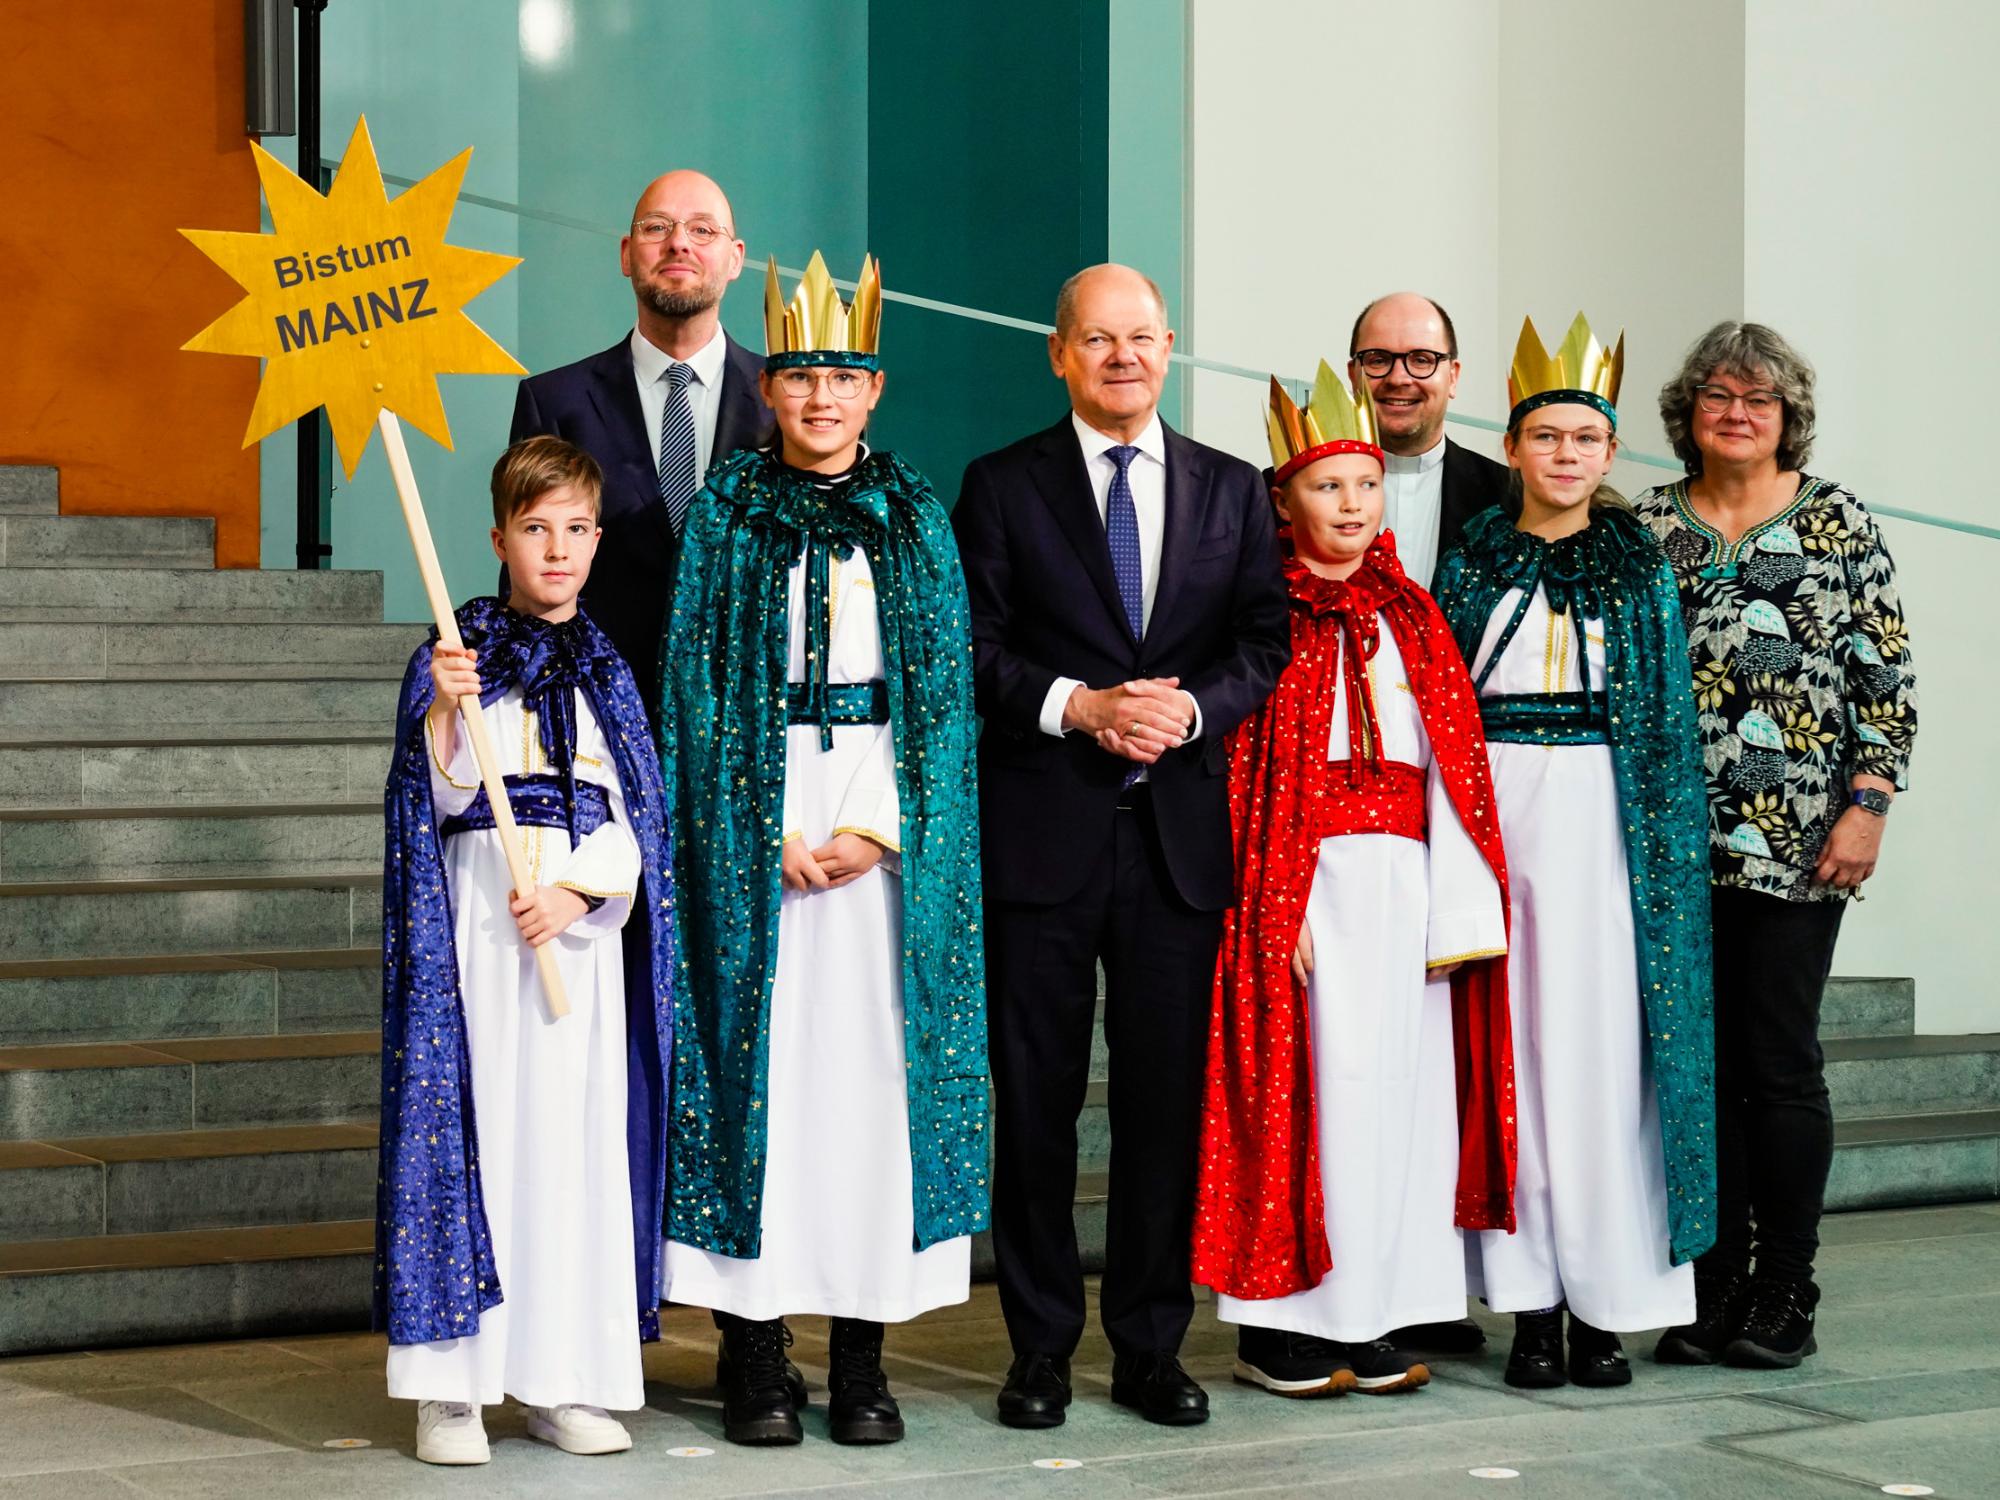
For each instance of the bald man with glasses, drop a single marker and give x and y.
(658, 409)
(1405, 350)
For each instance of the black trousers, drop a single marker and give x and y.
(1041, 992)
(1774, 1123)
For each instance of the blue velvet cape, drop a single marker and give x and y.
(1614, 571)
(434, 1271)
(723, 718)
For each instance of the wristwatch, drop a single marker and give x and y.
(1873, 799)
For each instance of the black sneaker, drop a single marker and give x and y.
(1595, 1356)
(859, 1407)
(1291, 1364)
(1381, 1369)
(1535, 1363)
(1461, 1337)
(1718, 1315)
(1777, 1327)
(757, 1408)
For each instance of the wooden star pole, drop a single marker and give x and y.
(357, 304)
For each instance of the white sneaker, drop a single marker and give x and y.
(578, 1429)
(450, 1432)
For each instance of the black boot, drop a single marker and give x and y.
(757, 1408)
(1595, 1356)
(1777, 1327)
(1718, 1317)
(1536, 1361)
(795, 1378)
(859, 1408)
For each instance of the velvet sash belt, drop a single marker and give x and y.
(538, 802)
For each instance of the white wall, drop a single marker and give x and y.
(1821, 165)
(1871, 213)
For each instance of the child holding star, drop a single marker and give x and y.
(523, 1157)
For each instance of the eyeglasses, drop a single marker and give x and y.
(700, 232)
(1421, 363)
(844, 384)
(1715, 400)
(1589, 442)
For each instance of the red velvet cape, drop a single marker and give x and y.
(1260, 1217)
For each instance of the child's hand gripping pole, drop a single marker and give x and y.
(475, 719)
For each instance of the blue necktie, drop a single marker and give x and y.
(1121, 530)
(678, 480)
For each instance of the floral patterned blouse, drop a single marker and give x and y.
(1802, 675)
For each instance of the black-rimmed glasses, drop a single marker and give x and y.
(1420, 363)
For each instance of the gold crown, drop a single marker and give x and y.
(1581, 364)
(1299, 434)
(814, 321)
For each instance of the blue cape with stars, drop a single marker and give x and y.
(434, 1271)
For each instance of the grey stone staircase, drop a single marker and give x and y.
(191, 765)
(191, 769)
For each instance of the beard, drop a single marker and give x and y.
(683, 304)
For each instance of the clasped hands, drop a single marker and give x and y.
(841, 860)
(1138, 721)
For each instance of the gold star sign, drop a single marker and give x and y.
(355, 303)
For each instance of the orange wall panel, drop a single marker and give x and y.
(121, 123)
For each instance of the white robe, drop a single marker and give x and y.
(1590, 1193)
(1383, 911)
(838, 1222)
(549, 1097)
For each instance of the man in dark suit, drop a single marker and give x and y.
(658, 409)
(1405, 349)
(1127, 612)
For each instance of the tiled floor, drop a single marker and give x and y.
(1906, 1391)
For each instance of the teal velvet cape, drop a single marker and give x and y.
(1614, 571)
(723, 718)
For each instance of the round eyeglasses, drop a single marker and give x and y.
(1589, 442)
(845, 385)
(700, 232)
(1420, 363)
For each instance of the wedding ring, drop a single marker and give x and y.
(1132, 728)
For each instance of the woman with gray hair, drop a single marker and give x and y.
(1808, 707)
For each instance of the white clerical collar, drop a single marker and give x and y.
(1422, 463)
(650, 361)
(1152, 443)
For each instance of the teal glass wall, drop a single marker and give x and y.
(974, 152)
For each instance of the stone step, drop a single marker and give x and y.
(221, 1083)
(175, 773)
(45, 541)
(1903, 1160)
(29, 490)
(107, 1290)
(275, 708)
(189, 1179)
(1873, 1077)
(219, 914)
(170, 997)
(187, 842)
(115, 651)
(199, 594)
(1859, 1006)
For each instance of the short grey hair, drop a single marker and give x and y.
(1752, 352)
(1066, 298)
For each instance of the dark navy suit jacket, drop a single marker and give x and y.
(594, 403)
(1045, 605)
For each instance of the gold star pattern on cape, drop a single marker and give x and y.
(355, 302)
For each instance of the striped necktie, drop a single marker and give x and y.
(678, 479)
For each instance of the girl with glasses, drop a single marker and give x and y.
(1566, 614)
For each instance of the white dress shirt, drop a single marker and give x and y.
(1147, 476)
(1413, 495)
(704, 392)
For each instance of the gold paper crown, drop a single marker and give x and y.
(1330, 417)
(814, 322)
(1581, 364)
